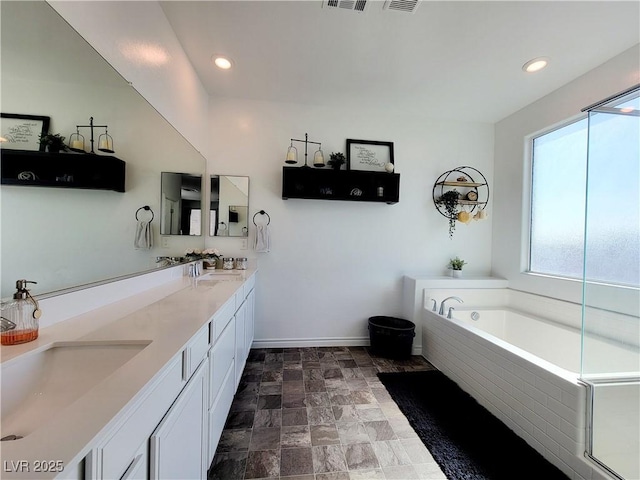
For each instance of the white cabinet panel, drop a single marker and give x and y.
(249, 320)
(223, 317)
(139, 467)
(177, 448)
(221, 357)
(241, 346)
(119, 451)
(196, 351)
(220, 410)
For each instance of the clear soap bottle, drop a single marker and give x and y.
(20, 317)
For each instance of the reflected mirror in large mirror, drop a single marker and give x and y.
(229, 206)
(64, 237)
(181, 197)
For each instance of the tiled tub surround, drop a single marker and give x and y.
(541, 401)
(166, 318)
(320, 413)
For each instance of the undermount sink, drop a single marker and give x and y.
(222, 276)
(37, 385)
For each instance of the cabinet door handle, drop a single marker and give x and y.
(131, 471)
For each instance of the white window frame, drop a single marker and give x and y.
(564, 288)
(525, 259)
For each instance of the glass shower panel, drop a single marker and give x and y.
(611, 299)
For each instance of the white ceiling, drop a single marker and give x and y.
(451, 59)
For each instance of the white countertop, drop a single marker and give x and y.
(168, 316)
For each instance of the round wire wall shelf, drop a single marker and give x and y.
(472, 188)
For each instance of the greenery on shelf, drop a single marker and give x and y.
(449, 200)
(53, 142)
(456, 263)
(336, 160)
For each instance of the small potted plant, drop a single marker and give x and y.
(336, 160)
(53, 142)
(455, 265)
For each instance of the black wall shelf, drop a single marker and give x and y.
(62, 170)
(351, 185)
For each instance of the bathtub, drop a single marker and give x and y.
(524, 370)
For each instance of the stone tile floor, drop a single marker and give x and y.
(320, 414)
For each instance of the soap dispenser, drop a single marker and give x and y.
(24, 312)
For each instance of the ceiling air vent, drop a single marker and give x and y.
(355, 5)
(401, 5)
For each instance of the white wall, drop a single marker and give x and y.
(511, 206)
(137, 40)
(333, 263)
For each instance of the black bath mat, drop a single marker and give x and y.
(466, 441)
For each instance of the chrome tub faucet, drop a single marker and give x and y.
(441, 311)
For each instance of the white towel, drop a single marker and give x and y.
(263, 238)
(144, 236)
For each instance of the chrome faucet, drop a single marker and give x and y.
(194, 269)
(435, 305)
(441, 311)
(451, 309)
(165, 261)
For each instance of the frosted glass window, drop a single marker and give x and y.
(560, 194)
(558, 201)
(613, 204)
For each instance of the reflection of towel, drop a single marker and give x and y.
(263, 238)
(144, 236)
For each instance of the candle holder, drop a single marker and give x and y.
(76, 142)
(292, 153)
(105, 141)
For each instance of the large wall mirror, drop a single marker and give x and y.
(64, 238)
(181, 199)
(229, 207)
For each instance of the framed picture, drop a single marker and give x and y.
(368, 155)
(22, 132)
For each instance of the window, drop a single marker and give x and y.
(608, 145)
(558, 200)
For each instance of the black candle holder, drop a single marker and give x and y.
(105, 141)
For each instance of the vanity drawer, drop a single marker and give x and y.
(221, 357)
(239, 297)
(196, 351)
(116, 454)
(223, 317)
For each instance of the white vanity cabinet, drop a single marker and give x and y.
(241, 343)
(250, 318)
(173, 428)
(244, 325)
(178, 446)
(120, 456)
(115, 457)
(232, 335)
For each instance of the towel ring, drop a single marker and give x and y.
(147, 208)
(261, 212)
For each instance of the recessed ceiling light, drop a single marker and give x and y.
(535, 65)
(222, 62)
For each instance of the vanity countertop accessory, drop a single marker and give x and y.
(20, 317)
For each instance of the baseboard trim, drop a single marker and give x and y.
(320, 342)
